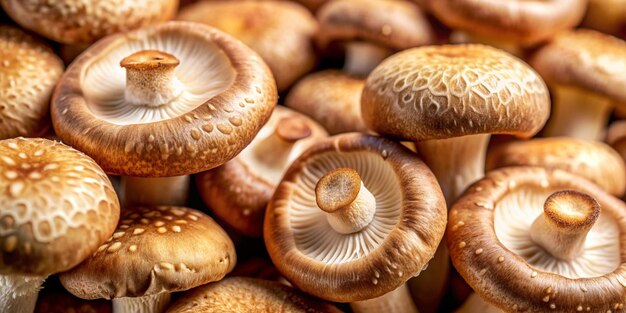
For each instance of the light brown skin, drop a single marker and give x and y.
(607, 16)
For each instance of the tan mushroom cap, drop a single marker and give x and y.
(241, 295)
(393, 24)
(490, 246)
(281, 32)
(407, 224)
(57, 205)
(330, 97)
(226, 93)
(29, 70)
(585, 59)
(439, 92)
(75, 21)
(527, 22)
(154, 250)
(589, 159)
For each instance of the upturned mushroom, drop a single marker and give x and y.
(354, 218)
(70, 21)
(29, 70)
(163, 102)
(586, 73)
(530, 239)
(153, 252)
(57, 207)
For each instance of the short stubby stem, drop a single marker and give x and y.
(19, 293)
(150, 79)
(350, 207)
(567, 218)
(146, 304)
(363, 57)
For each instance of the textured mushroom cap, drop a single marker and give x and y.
(441, 92)
(57, 205)
(228, 95)
(585, 59)
(332, 98)
(154, 250)
(243, 295)
(28, 74)
(74, 21)
(407, 226)
(592, 160)
(280, 32)
(527, 22)
(389, 23)
(238, 191)
(491, 248)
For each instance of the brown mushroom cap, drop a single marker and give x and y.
(590, 159)
(407, 225)
(439, 92)
(154, 250)
(227, 94)
(489, 242)
(71, 21)
(57, 205)
(527, 22)
(29, 70)
(607, 16)
(330, 97)
(240, 294)
(281, 32)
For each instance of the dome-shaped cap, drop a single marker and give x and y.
(439, 92)
(29, 70)
(154, 250)
(399, 206)
(57, 207)
(72, 21)
(164, 118)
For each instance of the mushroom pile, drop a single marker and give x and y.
(366, 156)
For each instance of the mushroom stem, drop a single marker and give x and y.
(154, 190)
(511, 47)
(363, 57)
(476, 304)
(150, 78)
(567, 218)
(341, 194)
(577, 113)
(146, 304)
(19, 293)
(396, 301)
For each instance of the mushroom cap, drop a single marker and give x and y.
(228, 94)
(439, 92)
(281, 32)
(489, 243)
(154, 250)
(402, 237)
(75, 21)
(28, 73)
(526, 22)
(585, 59)
(592, 160)
(242, 294)
(394, 24)
(57, 205)
(238, 191)
(330, 97)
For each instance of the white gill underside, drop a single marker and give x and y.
(313, 234)
(515, 213)
(204, 72)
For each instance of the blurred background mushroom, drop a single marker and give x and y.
(607, 16)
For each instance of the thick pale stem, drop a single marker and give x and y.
(19, 293)
(578, 113)
(150, 78)
(274, 151)
(567, 218)
(475, 304)
(147, 304)
(459, 37)
(155, 190)
(363, 57)
(396, 301)
(348, 204)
